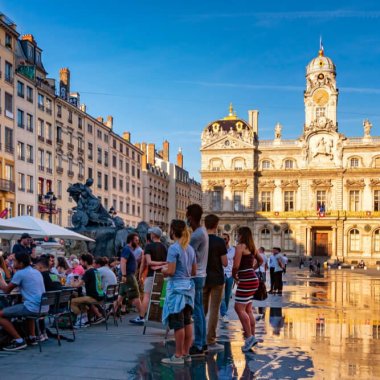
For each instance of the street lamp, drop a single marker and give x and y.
(50, 201)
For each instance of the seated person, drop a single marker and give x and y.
(94, 292)
(106, 273)
(77, 268)
(51, 280)
(31, 286)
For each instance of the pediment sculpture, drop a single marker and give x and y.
(269, 184)
(289, 183)
(355, 183)
(238, 183)
(216, 183)
(374, 182)
(321, 124)
(321, 183)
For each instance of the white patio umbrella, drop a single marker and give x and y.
(10, 224)
(38, 228)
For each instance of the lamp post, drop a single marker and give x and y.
(50, 201)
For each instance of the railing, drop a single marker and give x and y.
(48, 111)
(41, 138)
(41, 107)
(6, 185)
(41, 168)
(59, 169)
(29, 128)
(80, 151)
(49, 170)
(48, 141)
(70, 146)
(70, 173)
(29, 99)
(59, 141)
(9, 149)
(30, 160)
(81, 178)
(286, 142)
(21, 125)
(315, 214)
(9, 79)
(59, 114)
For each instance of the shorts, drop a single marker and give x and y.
(130, 288)
(18, 310)
(179, 320)
(148, 285)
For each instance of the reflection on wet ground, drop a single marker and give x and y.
(322, 328)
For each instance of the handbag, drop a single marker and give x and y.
(261, 292)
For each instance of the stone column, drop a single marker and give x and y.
(334, 243)
(308, 241)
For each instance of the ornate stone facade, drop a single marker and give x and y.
(317, 195)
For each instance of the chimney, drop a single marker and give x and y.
(83, 108)
(127, 136)
(180, 158)
(151, 154)
(143, 162)
(64, 83)
(253, 119)
(99, 118)
(109, 122)
(165, 147)
(143, 148)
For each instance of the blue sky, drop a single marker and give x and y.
(165, 69)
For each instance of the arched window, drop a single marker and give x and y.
(288, 240)
(265, 164)
(354, 240)
(289, 164)
(376, 241)
(216, 164)
(265, 238)
(238, 164)
(354, 162)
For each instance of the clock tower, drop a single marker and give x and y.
(321, 94)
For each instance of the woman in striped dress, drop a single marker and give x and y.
(246, 260)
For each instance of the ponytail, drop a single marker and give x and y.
(185, 238)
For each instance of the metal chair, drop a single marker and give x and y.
(48, 299)
(111, 294)
(62, 308)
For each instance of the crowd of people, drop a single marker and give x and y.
(201, 270)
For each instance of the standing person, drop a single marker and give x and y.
(285, 262)
(199, 241)
(154, 258)
(261, 272)
(179, 301)
(271, 272)
(278, 270)
(31, 285)
(214, 286)
(128, 283)
(228, 279)
(22, 245)
(244, 273)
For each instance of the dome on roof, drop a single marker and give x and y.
(320, 63)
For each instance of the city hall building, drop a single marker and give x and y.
(317, 195)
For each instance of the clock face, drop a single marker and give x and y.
(320, 76)
(321, 97)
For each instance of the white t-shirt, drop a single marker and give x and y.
(107, 276)
(262, 266)
(285, 259)
(230, 261)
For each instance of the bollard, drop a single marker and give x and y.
(378, 267)
(339, 267)
(352, 267)
(365, 267)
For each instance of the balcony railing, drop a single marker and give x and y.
(49, 170)
(21, 125)
(315, 214)
(49, 111)
(48, 141)
(70, 173)
(80, 151)
(59, 141)
(70, 146)
(9, 79)
(9, 149)
(59, 169)
(41, 107)
(80, 177)
(30, 160)
(41, 168)
(41, 138)
(6, 185)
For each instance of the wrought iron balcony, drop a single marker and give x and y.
(6, 185)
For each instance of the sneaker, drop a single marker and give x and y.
(225, 319)
(195, 351)
(258, 317)
(187, 358)
(137, 321)
(98, 320)
(14, 346)
(215, 347)
(279, 294)
(173, 360)
(43, 337)
(249, 343)
(32, 341)
(81, 322)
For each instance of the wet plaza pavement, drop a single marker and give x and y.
(322, 328)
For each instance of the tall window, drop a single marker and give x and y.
(49, 162)
(289, 164)
(238, 164)
(354, 200)
(8, 140)
(100, 153)
(9, 172)
(320, 112)
(29, 122)
(21, 181)
(238, 201)
(376, 200)
(41, 102)
(321, 199)
(376, 241)
(288, 240)
(266, 201)
(89, 151)
(41, 128)
(20, 118)
(265, 164)
(289, 201)
(21, 151)
(99, 180)
(354, 240)
(29, 154)
(49, 131)
(216, 200)
(216, 165)
(265, 238)
(354, 162)
(20, 89)
(29, 94)
(8, 98)
(29, 184)
(41, 159)
(8, 72)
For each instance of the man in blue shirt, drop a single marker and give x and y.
(128, 284)
(31, 285)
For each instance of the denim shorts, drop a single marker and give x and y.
(179, 320)
(18, 310)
